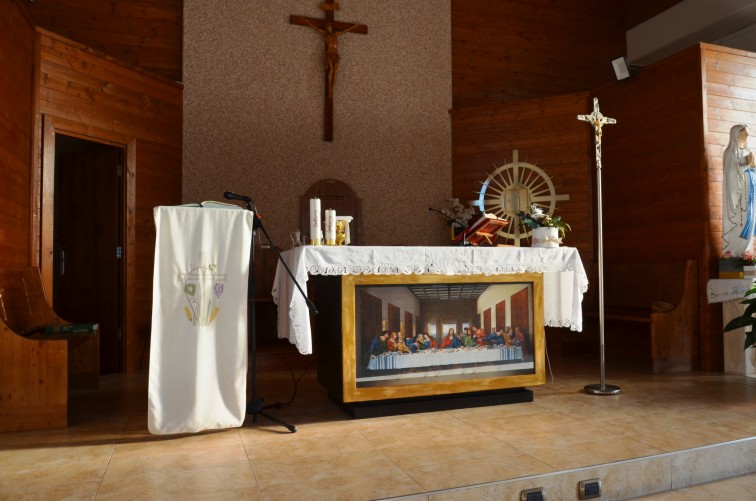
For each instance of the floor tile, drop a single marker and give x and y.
(698, 424)
(350, 476)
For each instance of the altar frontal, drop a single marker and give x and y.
(410, 336)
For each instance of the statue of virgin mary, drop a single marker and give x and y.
(738, 194)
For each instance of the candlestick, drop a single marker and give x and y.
(330, 227)
(316, 233)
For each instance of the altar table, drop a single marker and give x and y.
(564, 277)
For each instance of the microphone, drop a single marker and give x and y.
(233, 196)
(453, 222)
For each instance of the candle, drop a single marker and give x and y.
(316, 233)
(330, 227)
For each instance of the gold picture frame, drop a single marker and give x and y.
(428, 301)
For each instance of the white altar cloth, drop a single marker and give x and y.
(564, 278)
(721, 290)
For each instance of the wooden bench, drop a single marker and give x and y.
(39, 360)
(661, 300)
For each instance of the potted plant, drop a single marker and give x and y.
(746, 320)
(547, 231)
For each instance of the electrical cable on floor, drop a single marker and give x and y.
(548, 362)
(296, 380)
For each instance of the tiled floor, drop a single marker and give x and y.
(660, 435)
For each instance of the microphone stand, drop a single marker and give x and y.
(255, 406)
(453, 222)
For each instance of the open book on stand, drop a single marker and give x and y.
(483, 231)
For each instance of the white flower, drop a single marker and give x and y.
(458, 213)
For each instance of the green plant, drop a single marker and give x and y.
(536, 218)
(746, 319)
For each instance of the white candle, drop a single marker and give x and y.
(330, 227)
(316, 233)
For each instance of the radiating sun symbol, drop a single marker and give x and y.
(514, 187)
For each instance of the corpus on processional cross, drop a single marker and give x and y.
(597, 120)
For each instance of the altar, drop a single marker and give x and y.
(501, 296)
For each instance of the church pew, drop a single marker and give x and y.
(657, 300)
(39, 360)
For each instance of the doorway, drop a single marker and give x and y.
(88, 229)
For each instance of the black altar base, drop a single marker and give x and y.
(381, 408)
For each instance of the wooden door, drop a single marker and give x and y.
(409, 324)
(369, 318)
(87, 241)
(501, 314)
(393, 314)
(520, 304)
(487, 321)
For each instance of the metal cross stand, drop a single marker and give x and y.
(598, 121)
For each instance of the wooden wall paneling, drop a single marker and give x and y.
(652, 165)
(655, 176)
(143, 33)
(513, 50)
(157, 162)
(28, 402)
(546, 133)
(16, 129)
(90, 95)
(710, 315)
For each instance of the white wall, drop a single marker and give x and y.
(253, 111)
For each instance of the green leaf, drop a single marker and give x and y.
(738, 322)
(750, 310)
(750, 339)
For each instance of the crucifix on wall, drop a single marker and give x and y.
(330, 30)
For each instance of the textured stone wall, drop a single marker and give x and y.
(253, 111)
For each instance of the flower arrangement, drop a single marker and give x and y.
(536, 218)
(459, 215)
(746, 259)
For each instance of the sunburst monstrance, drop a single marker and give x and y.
(514, 187)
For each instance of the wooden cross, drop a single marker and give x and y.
(597, 120)
(330, 30)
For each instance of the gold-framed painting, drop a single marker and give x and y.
(407, 336)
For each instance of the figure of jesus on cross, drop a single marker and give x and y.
(332, 51)
(598, 121)
(330, 30)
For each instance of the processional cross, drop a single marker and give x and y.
(597, 120)
(330, 30)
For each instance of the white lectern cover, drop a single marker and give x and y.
(198, 351)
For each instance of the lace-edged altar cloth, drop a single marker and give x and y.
(720, 290)
(564, 278)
